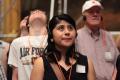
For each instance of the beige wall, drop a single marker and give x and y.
(11, 18)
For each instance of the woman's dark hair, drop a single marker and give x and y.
(50, 49)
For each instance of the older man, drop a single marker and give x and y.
(95, 42)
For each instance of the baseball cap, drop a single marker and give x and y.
(89, 4)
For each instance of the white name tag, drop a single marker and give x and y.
(80, 69)
(108, 56)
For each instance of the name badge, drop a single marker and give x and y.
(108, 56)
(80, 69)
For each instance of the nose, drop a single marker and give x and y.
(96, 12)
(67, 32)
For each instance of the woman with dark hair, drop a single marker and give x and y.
(61, 61)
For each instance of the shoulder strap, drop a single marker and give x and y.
(57, 71)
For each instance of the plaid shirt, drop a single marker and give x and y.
(2, 73)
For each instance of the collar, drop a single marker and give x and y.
(94, 35)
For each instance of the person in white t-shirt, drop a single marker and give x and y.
(24, 48)
(4, 48)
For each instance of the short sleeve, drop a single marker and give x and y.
(12, 58)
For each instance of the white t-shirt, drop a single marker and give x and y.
(21, 51)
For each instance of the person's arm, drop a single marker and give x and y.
(38, 70)
(116, 68)
(114, 74)
(15, 73)
(5, 58)
(91, 71)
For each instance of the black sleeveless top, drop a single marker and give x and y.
(79, 70)
(118, 68)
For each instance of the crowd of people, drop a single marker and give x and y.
(56, 50)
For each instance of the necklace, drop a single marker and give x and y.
(62, 71)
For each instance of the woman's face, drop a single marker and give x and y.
(64, 34)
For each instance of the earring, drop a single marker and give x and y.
(51, 40)
(28, 25)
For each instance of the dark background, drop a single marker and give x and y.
(111, 12)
